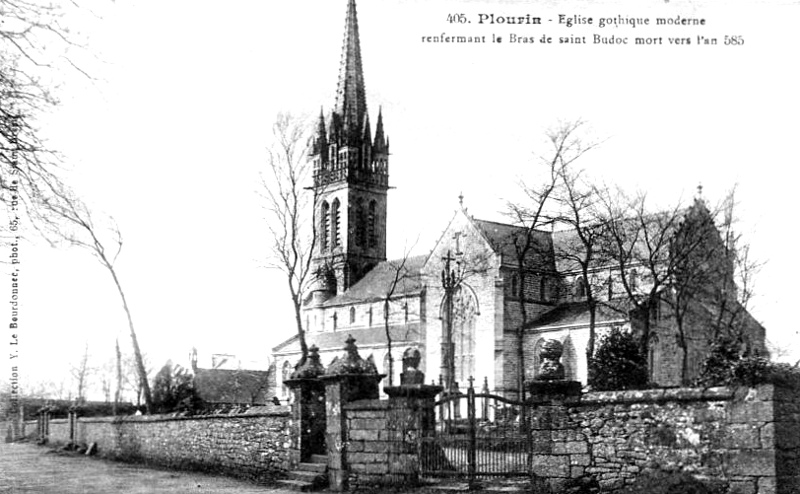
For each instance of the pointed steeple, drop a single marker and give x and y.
(351, 174)
(351, 100)
(320, 141)
(380, 146)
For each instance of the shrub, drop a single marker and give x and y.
(618, 363)
(725, 366)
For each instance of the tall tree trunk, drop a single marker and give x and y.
(521, 334)
(388, 341)
(592, 334)
(118, 391)
(298, 319)
(137, 353)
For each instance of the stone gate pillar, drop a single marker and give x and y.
(73, 424)
(412, 418)
(308, 409)
(43, 425)
(348, 378)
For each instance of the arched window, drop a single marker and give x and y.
(543, 289)
(405, 311)
(464, 321)
(352, 315)
(324, 218)
(514, 286)
(372, 227)
(335, 224)
(335, 321)
(610, 287)
(633, 279)
(580, 287)
(361, 224)
(370, 316)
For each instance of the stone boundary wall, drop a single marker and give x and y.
(29, 430)
(745, 438)
(59, 431)
(253, 446)
(723, 434)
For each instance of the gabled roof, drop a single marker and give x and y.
(504, 239)
(232, 386)
(378, 281)
(374, 335)
(577, 314)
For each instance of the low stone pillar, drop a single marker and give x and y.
(348, 378)
(411, 419)
(73, 424)
(308, 409)
(43, 424)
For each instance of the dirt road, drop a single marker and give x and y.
(28, 468)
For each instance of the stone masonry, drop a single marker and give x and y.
(253, 446)
(746, 438)
(717, 433)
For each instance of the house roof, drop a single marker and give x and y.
(577, 314)
(231, 386)
(376, 283)
(504, 238)
(375, 335)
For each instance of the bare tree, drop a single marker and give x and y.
(734, 298)
(535, 213)
(291, 205)
(400, 274)
(36, 43)
(582, 243)
(118, 368)
(637, 243)
(70, 220)
(672, 257)
(81, 373)
(131, 383)
(701, 271)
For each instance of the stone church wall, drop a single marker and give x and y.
(251, 446)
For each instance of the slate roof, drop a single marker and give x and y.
(374, 285)
(502, 236)
(375, 335)
(567, 241)
(575, 314)
(232, 386)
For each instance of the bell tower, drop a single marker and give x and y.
(351, 178)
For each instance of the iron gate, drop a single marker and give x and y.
(478, 435)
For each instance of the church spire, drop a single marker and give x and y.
(351, 175)
(351, 100)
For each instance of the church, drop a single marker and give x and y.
(391, 306)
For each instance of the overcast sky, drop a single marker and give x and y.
(171, 138)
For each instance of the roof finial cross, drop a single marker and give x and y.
(699, 191)
(461, 199)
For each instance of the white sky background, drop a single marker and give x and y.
(171, 140)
